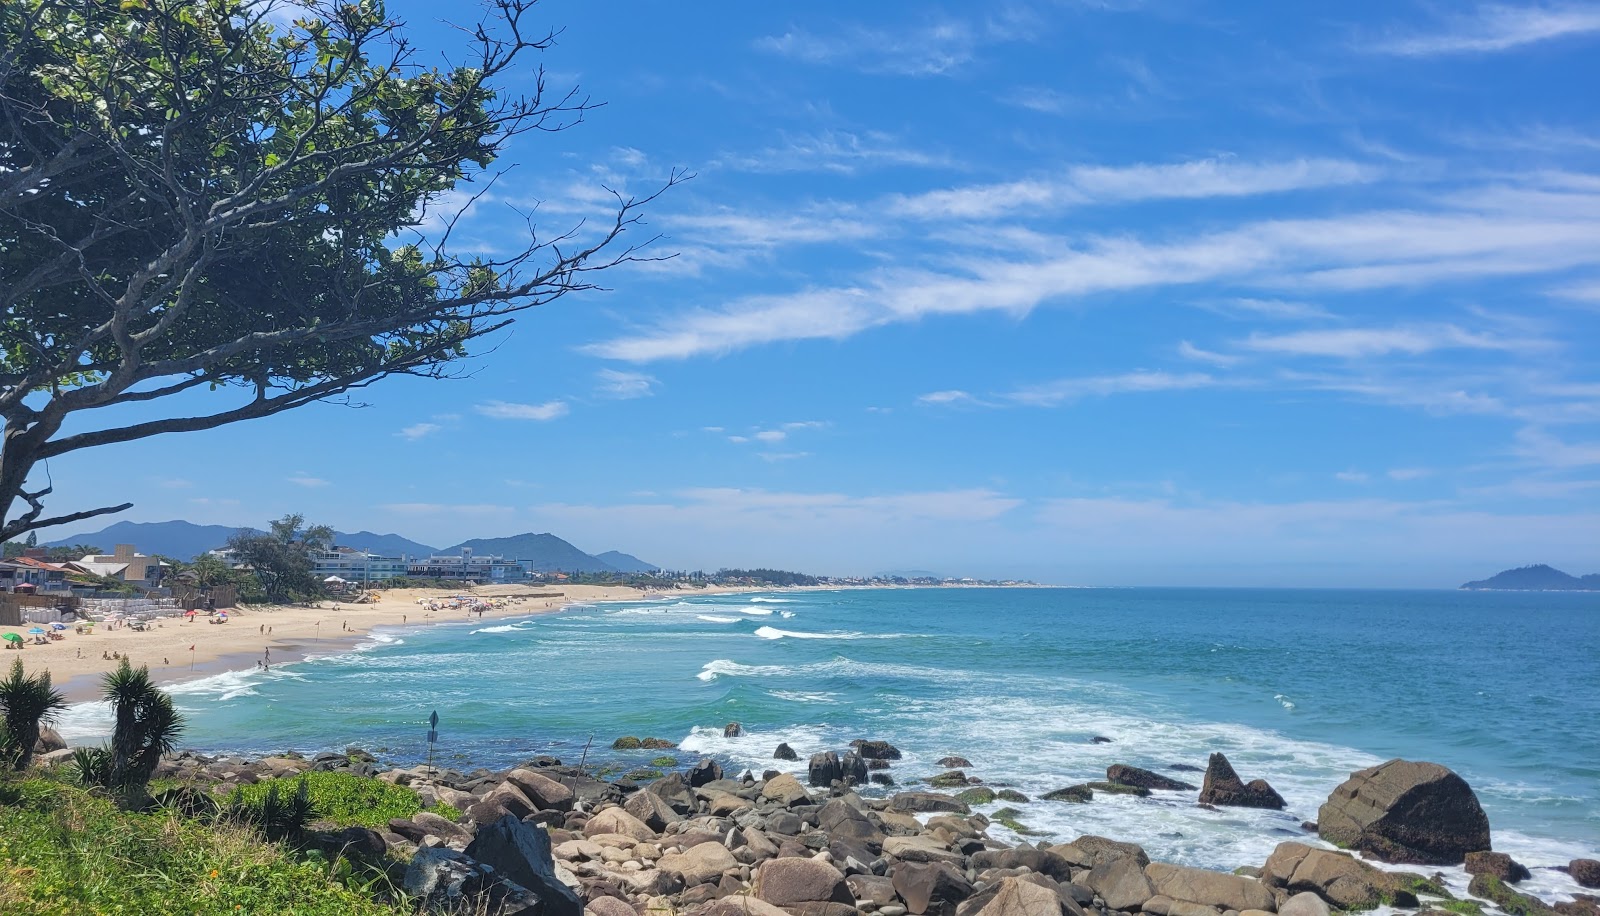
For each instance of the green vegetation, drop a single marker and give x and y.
(642, 774)
(664, 762)
(147, 726)
(342, 799)
(778, 577)
(1011, 795)
(27, 703)
(629, 743)
(1463, 907)
(65, 851)
(977, 795)
(1007, 817)
(281, 558)
(1117, 788)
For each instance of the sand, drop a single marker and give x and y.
(279, 634)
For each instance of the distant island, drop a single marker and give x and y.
(1539, 578)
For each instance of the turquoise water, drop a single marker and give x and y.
(1299, 687)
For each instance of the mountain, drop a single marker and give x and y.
(177, 539)
(547, 552)
(186, 540)
(623, 562)
(1540, 578)
(388, 545)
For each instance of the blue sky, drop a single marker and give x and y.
(1162, 292)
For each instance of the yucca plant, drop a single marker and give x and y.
(147, 726)
(279, 817)
(26, 704)
(91, 767)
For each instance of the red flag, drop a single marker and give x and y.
(191, 648)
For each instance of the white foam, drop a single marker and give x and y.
(773, 600)
(713, 618)
(755, 611)
(1283, 701)
(775, 633)
(503, 628)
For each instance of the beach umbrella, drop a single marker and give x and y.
(58, 626)
(36, 631)
(11, 637)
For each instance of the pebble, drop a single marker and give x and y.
(893, 909)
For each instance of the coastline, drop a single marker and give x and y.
(284, 634)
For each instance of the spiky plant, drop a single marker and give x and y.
(26, 704)
(147, 726)
(91, 767)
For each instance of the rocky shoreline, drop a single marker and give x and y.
(549, 839)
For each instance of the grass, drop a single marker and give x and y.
(1463, 907)
(64, 852)
(346, 800)
(664, 762)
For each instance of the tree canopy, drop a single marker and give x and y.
(281, 558)
(197, 197)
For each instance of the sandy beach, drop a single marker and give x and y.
(276, 634)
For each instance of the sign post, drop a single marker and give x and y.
(433, 736)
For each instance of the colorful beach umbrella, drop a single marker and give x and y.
(58, 626)
(11, 637)
(36, 631)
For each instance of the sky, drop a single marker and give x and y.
(1163, 292)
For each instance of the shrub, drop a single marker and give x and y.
(342, 799)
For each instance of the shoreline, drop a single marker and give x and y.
(286, 634)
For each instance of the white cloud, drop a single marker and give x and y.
(1499, 27)
(1356, 343)
(1060, 391)
(1404, 474)
(930, 50)
(419, 430)
(783, 456)
(1351, 477)
(625, 385)
(950, 396)
(505, 410)
(303, 479)
(175, 483)
(1246, 307)
(1188, 350)
(446, 509)
(1541, 448)
(842, 152)
(771, 435)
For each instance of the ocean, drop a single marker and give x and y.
(1299, 687)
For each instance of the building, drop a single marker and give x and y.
(468, 568)
(31, 574)
(126, 564)
(358, 566)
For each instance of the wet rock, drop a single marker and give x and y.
(521, 854)
(733, 730)
(1120, 882)
(1497, 864)
(1222, 786)
(1077, 794)
(882, 779)
(1210, 888)
(703, 772)
(853, 770)
(825, 769)
(1124, 775)
(1099, 739)
(954, 763)
(950, 779)
(1011, 795)
(1491, 888)
(628, 743)
(977, 795)
(1585, 871)
(785, 752)
(1406, 811)
(934, 889)
(923, 802)
(1117, 788)
(875, 750)
(1339, 878)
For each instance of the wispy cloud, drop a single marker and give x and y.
(1188, 350)
(1356, 343)
(1405, 474)
(951, 396)
(446, 509)
(419, 431)
(1352, 477)
(1541, 448)
(303, 479)
(619, 385)
(929, 50)
(1060, 391)
(842, 152)
(1498, 27)
(505, 410)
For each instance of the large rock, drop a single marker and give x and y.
(923, 802)
(1585, 871)
(853, 770)
(503, 799)
(1124, 775)
(541, 789)
(1304, 903)
(825, 769)
(785, 790)
(703, 772)
(1491, 888)
(1406, 811)
(876, 750)
(616, 820)
(521, 853)
(651, 809)
(1089, 850)
(699, 864)
(785, 752)
(1211, 888)
(934, 889)
(51, 740)
(1042, 861)
(796, 882)
(921, 848)
(674, 789)
(608, 906)
(1121, 883)
(1497, 864)
(443, 881)
(1222, 786)
(738, 905)
(838, 819)
(1339, 878)
(1019, 897)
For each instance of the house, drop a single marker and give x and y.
(125, 564)
(467, 567)
(357, 566)
(43, 576)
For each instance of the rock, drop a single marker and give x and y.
(703, 772)
(954, 763)
(740, 905)
(616, 820)
(1120, 882)
(656, 744)
(1018, 897)
(50, 740)
(1198, 885)
(934, 889)
(952, 779)
(825, 769)
(853, 770)
(609, 906)
(878, 891)
(540, 789)
(922, 802)
(1405, 811)
(882, 779)
(796, 882)
(1491, 888)
(674, 789)
(54, 758)
(785, 752)
(1585, 871)
(1124, 775)
(1305, 903)
(1117, 788)
(876, 750)
(441, 827)
(1579, 905)
(1498, 864)
(785, 790)
(503, 799)
(1099, 739)
(839, 819)
(1042, 861)
(441, 880)
(1222, 786)
(628, 743)
(1089, 850)
(1011, 795)
(1339, 878)
(977, 795)
(699, 864)
(651, 809)
(1077, 794)
(733, 730)
(521, 854)
(920, 849)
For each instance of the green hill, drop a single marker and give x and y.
(546, 552)
(1537, 578)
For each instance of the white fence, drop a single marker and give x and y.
(140, 608)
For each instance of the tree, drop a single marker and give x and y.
(26, 705)
(281, 557)
(210, 211)
(147, 726)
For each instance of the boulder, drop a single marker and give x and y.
(1019, 897)
(1077, 794)
(1041, 861)
(853, 770)
(797, 882)
(1498, 864)
(51, 740)
(503, 799)
(1493, 889)
(1406, 811)
(673, 789)
(651, 809)
(1585, 871)
(1339, 878)
(609, 906)
(876, 750)
(441, 827)
(441, 880)
(1304, 903)
(1222, 786)
(1210, 888)
(954, 763)
(922, 802)
(825, 769)
(1089, 850)
(1124, 775)
(616, 820)
(951, 779)
(838, 819)
(703, 772)
(541, 789)
(878, 891)
(934, 889)
(628, 743)
(699, 864)
(1120, 882)
(785, 752)
(739, 905)
(785, 790)
(733, 730)
(521, 853)
(920, 848)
